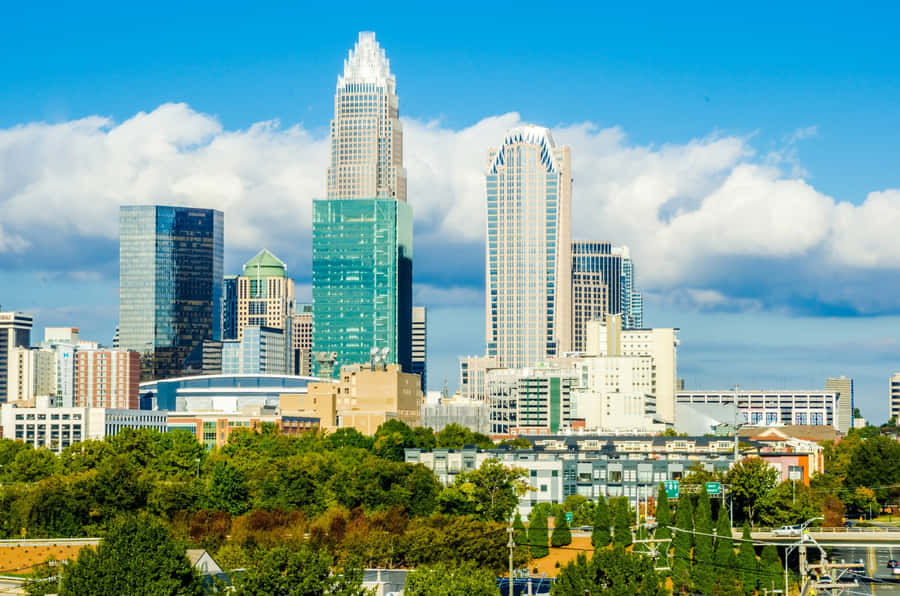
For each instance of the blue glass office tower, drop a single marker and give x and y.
(230, 307)
(170, 286)
(362, 233)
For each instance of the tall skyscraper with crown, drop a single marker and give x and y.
(362, 231)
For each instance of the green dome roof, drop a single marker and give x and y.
(265, 264)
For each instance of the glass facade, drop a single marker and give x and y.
(362, 279)
(528, 186)
(230, 307)
(170, 285)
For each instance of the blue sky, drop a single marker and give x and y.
(696, 103)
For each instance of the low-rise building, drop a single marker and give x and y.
(772, 408)
(58, 427)
(213, 428)
(529, 401)
(588, 465)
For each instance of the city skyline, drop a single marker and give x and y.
(822, 246)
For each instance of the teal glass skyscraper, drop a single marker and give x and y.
(170, 286)
(362, 233)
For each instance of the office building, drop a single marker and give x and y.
(528, 273)
(365, 396)
(600, 262)
(230, 307)
(844, 413)
(895, 397)
(32, 374)
(529, 401)
(170, 285)
(772, 408)
(607, 338)
(419, 344)
(632, 301)
(265, 298)
(56, 427)
(362, 233)
(590, 288)
(301, 337)
(473, 376)
(108, 379)
(15, 331)
(261, 350)
(589, 465)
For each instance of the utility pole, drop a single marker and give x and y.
(512, 546)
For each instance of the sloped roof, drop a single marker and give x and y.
(265, 264)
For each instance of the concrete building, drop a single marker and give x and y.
(844, 413)
(588, 465)
(265, 298)
(607, 338)
(367, 396)
(261, 350)
(362, 232)
(58, 427)
(772, 408)
(419, 344)
(15, 332)
(170, 285)
(528, 251)
(108, 379)
(473, 376)
(895, 396)
(474, 415)
(302, 339)
(529, 401)
(591, 285)
(32, 373)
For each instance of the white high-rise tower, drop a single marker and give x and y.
(366, 135)
(529, 258)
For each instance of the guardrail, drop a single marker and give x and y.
(825, 530)
(49, 541)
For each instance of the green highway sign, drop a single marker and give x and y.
(714, 488)
(568, 517)
(671, 489)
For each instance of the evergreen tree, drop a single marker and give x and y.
(642, 534)
(538, 534)
(561, 534)
(622, 522)
(724, 556)
(520, 537)
(663, 515)
(703, 573)
(770, 569)
(601, 536)
(746, 562)
(681, 545)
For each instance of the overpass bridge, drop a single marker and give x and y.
(829, 537)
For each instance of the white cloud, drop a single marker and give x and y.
(683, 209)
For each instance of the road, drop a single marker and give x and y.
(877, 577)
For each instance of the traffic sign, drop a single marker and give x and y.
(671, 489)
(569, 517)
(714, 488)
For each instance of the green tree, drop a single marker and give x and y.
(771, 573)
(137, 556)
(31, 465)
(520, 537)
(704, 575)
(725, 559)
(681, 545)
(227, 489)
(601, 536)
(303, 572)
(747, 564)
(391, 438)
(751, 480)
(537, 534)
(615, 572)
(349, 437)
(561, 535)
(449, 580)
(491, 492)
(663, 515)
(517, 443)
(621, 522)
